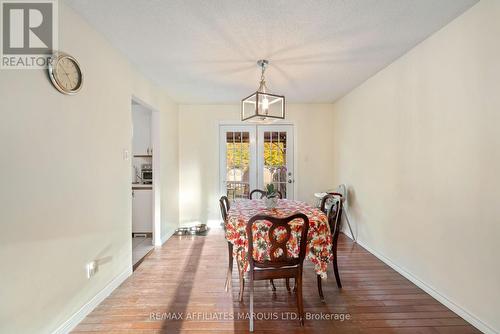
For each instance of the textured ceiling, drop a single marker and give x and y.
(204, 51)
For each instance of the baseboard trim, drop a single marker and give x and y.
(163, 238)
(166, 236)
(467, 316)
(76, 318)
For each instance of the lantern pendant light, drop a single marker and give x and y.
(261, 106)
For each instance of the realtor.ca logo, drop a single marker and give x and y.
(28, 33)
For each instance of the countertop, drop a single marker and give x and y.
(141, 186)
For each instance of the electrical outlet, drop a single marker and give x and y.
(91, 269)
(126, 155)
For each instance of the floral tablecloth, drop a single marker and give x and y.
(319, 241)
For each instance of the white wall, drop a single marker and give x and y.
(419, 145)
(65, 197)
(199, 155)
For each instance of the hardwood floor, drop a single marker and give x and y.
(187, 276)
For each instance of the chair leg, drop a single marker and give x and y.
(300, 302)
(350, 228)
(242, 283)
(230, 267)
(287, 280)
(272, 284)
(336, 271)
(320, 288)
(251, 302)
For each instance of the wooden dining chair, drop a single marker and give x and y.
(329, 198)
(279, 265)
(335, 224)
(224, 208)
(259, 194)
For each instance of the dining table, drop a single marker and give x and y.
(319, 239)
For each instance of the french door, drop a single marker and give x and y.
(275, 158)
(253, 156)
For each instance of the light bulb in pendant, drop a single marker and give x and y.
(265, 105)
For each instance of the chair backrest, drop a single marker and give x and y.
(226, 201)
(224, 207)
(330, 197)
(282, 259)
(262, 194)
(335, 222)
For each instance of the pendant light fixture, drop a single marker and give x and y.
(261, 106)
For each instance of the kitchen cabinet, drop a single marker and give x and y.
(141, 139)
(142, 211)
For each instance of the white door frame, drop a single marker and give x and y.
(240, 123)
(156, 142)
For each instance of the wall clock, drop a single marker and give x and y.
(65, 73)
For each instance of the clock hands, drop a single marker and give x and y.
(67, 75)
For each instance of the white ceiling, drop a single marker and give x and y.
(204, 51)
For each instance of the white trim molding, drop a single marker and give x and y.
(166, 236)
(466, 315)
(156, 142)
(76, 318)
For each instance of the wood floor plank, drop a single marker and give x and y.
(186, 277)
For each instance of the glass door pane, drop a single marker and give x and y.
(275, 158)
(237, 160)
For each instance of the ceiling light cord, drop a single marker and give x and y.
(263, 65)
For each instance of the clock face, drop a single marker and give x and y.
(65, 74)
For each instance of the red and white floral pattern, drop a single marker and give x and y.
(319, 241)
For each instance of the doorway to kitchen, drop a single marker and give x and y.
(253, 156)
(145, 179)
